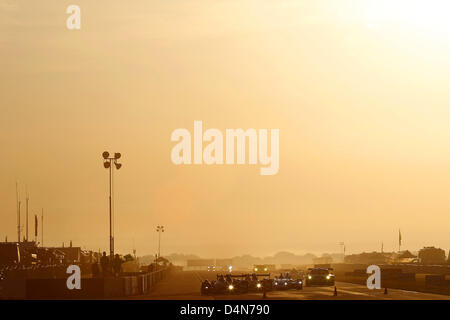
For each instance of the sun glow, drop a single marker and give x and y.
(410, 13)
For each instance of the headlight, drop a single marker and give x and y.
(256, 269)
(258, 285)
(300, 281)
(265, 269)
(230, 287)
(276, 283)
(285, 283)
(328, 277)
(206, 287)
(309, 277)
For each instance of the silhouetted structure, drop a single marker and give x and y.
(368, 258)
(104, 262)
(432, 255)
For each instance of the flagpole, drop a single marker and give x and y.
(27, 216)
(36, 228)
(18, 212)
(42, 228)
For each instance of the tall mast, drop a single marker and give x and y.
(42, 228)
(27, 214)
(36, 228)
(18, 213)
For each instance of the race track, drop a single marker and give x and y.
(186, 286)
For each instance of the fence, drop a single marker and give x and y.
(91, 288)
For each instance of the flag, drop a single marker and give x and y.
(35, 225)
(399, 238)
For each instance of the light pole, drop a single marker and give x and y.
(159, 229)
(108, 164)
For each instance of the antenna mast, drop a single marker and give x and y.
(42, 228)
(18, 213)
(27, 214)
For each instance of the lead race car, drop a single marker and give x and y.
(255, 283)
(222, 285)
(235, 284)
(320, 276)
(286, 282)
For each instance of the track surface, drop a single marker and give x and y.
(186, 286)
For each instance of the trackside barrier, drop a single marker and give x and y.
(135, 283)
(91, 288)
(134, 286)
(435, 280)
(126, 286)
(13, 289)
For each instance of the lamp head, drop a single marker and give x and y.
(118, 165)
(105, 155)
(117, 155)
(106, 164)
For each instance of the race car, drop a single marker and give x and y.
(235, 284)
(223, 285)
(256, 284)
(286, 282)
(243, 283)
(219, 286)
(206, 288)
(320, 276)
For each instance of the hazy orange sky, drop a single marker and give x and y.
(358, 89)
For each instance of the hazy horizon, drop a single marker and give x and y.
(358, 91)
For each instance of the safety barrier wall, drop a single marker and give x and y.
(91, 288)
(386, 274)
(405, 268)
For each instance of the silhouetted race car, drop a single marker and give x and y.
(256, 284)
(320, 276)
(236, 284)
(286, 282)
(229, 284)
(224, 285)
(220, 286)
(206, 288)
